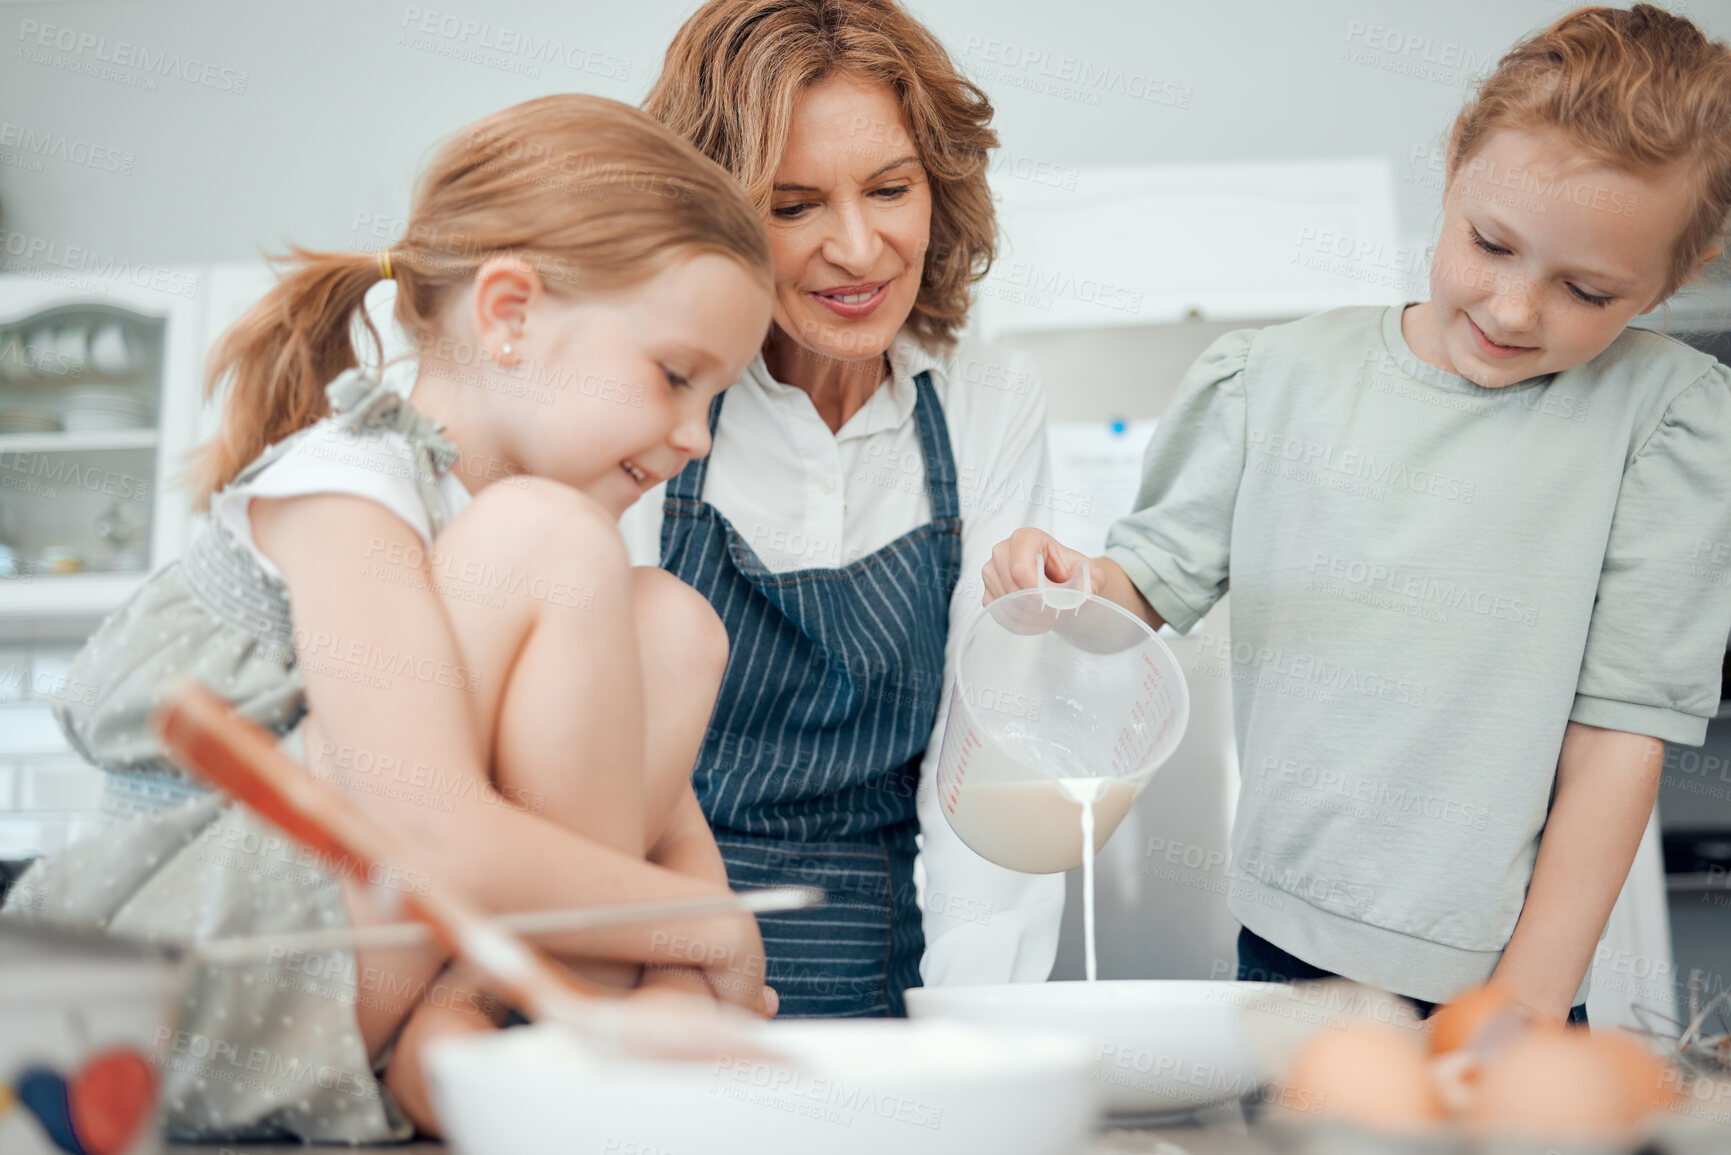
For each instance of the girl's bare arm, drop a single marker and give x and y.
(1607, 781)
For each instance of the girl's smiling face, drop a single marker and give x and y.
(610, 394)
(1545, 255)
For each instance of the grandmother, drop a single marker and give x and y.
(862, 470)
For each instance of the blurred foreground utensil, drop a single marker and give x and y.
(204, 737)
(528, 923)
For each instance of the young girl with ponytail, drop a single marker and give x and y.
(427, 597)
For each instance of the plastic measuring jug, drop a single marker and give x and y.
(1060, 696)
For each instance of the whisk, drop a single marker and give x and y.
(1688, 1041)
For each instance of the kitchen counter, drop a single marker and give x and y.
(1217, 1131)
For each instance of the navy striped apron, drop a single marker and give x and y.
(810, 767)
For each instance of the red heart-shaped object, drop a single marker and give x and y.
(112, 1096)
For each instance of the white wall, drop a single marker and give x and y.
(305, 121)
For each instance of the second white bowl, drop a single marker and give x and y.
(1160, 1045)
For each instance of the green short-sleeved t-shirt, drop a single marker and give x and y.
(1430, 580)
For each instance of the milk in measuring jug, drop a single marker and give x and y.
(1034, 826)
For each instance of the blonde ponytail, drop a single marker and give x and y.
(278, 358)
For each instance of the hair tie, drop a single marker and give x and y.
(384, 256)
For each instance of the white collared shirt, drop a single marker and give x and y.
(803, 497)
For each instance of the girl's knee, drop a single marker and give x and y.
(535, 524)
(676, 619)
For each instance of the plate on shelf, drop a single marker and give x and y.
(97, 408)
(20, 419)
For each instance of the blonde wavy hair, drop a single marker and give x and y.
(1640, 90)
(736, 69)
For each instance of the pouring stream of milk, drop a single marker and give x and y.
(1086, 791)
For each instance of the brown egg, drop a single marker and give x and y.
(1369, 1074)
(1456, 1022)
(1556, 1083)
(1654, 1081)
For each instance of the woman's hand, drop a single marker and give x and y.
(1018, 559)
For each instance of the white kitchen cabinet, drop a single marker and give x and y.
(98, 401)
(56, 485)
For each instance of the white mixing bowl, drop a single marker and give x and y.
(854, 1088)
(1160, 1046)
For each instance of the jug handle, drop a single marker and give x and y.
(1069, 595)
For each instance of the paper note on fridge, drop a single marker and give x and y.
(1096, 469)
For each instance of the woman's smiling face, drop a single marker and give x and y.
(849, 220)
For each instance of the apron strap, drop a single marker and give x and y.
(935, 445)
